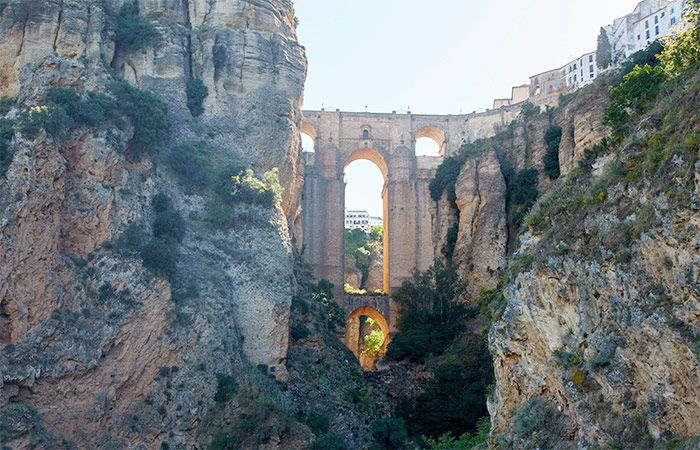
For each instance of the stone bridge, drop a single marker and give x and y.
(389, 141)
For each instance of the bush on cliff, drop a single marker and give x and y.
(192, 164)
(196, 93)
(131, 31)
(552, 138)
(7, 132)
(147, 113)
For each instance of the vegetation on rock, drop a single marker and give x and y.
(196, 93)
(131, 31)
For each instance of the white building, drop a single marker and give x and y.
(650, 20)
(361, 219)
(581, 71)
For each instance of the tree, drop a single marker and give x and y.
(604, 51)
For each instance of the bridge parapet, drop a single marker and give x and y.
(352, 303)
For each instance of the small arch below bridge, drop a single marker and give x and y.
(357, 327)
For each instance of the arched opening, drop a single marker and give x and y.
(367, 335)
(365, 258)
(430, 141)
(308, 137)
(365, 134)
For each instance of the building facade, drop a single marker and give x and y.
(581, 71)
(650, 20)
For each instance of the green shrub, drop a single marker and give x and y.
(196, 93)
(131, 31)
(247, 188)
(299, 332)
(648, 56)
(226, 388)
(521, 194)
(224, 441)
(682, 51)
(161, 203)
(456, 398)
(322, 293)
(551, 158)
(389, 432)
(431, 317)
(6, 104)
(301, 303)
(448, 248)
(529, 110)
(132, 239)
(49, 117)
(319, 423)
(7, 132)
(222, 179)
(639, 88)
(374, 340)
(169, 224)
(446, 177)
(147, 113)
(161, 255)
(330, 441)
(220, 215)
(466, 441)
(192, 163)
(219, 56)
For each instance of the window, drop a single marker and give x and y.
(590, 58)
(639, 37)
(646, 24)
(582, 73)
(656, 19)
(673, 10)
(647, 35)
(574, 66)
(673, 20)
(663, 14)
(590, 68)
(365, 134)
(657, 30)
(574, 78)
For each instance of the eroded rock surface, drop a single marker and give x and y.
(97, 350)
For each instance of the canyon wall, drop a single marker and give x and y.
(96, 350)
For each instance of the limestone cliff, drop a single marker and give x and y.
(98, 351)
(486, 234)
(481, 242)
(598, 341)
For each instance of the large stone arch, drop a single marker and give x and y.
(389, 142)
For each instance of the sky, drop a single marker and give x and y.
(437, 57)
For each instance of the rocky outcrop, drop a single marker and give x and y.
(602, 318)
(581, 119)
(481, 242)
(98, 350)
(605, 343)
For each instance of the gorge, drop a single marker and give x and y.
(172, 264)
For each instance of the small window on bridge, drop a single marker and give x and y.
(365, 134)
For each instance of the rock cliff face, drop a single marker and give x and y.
(96, 350)
(481, 243)
(598, 342)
